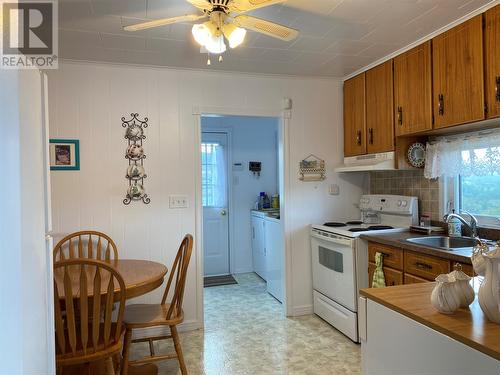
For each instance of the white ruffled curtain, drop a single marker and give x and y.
(467, 155)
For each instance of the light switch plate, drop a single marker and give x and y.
(334, 189)
(178, 201)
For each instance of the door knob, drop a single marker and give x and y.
(223, 212)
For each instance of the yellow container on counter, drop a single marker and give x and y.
(275, 201)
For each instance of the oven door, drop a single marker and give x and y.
(334, 268)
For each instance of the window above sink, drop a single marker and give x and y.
(469, 167)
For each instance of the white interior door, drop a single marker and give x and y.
(215, 203)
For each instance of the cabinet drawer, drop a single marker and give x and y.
(425, 266)
(411, 279)
(393, 257)
(392, 277)
(466, 268)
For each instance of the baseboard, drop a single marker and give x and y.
(303, 310)
(242, 270)
(190, 325)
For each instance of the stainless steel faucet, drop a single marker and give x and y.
(472, 225)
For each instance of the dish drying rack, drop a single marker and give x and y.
(312, 168)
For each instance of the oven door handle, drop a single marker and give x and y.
(335, 239)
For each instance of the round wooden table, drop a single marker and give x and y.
(140, 277)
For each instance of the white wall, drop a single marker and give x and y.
(24, 307)
(252, 139)
(87, 102)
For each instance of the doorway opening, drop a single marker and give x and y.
(243, 236)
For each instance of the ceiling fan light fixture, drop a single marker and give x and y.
(201, 34)
(216, 45)
(235, 35)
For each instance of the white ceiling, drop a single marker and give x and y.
(337, 37)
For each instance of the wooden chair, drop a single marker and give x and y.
(86, 244)
(163, 314)
(85, 331)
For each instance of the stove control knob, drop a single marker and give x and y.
(400, 203)
(405, 203)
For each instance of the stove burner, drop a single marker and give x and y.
(379, 227)
(334, 224)
(354, 222)
(358, 230)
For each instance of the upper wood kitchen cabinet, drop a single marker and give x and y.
(354, 116)
(492, 55)
(458, 95)
(379, 108)
(413, 90)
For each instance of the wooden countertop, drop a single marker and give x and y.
(398, 240)
(469, 326)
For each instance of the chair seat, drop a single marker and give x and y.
(150, 315)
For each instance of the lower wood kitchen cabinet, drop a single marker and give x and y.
(392, 277)
(411, 279)
(425, 266)
(410, 267)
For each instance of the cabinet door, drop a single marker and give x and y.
(354, 116)
(379, 108)
(413, 90)
(458, 95)
(392, 277)
(492, 54)
(411, 279)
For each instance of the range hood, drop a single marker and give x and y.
(371, 162)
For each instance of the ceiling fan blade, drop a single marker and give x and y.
(200, 4)
(265, 27)
(163, 22)
(241, 6)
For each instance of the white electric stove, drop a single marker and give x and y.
(340, 257)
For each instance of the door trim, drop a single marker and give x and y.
(229, 178)
(284, 189)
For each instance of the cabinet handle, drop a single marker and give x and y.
(423, 266)
(370, 132)
(253, 232)
(441, 104)
(400, 116)
(358, 137)
(497, 88)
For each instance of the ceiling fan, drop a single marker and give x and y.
(225, 18)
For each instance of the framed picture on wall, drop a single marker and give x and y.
(64, 155)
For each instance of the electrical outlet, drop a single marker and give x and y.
(178, 201)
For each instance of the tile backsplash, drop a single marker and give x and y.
(411, 183)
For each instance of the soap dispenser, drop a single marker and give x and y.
(454, 227)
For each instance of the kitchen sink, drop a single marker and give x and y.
(445, 243)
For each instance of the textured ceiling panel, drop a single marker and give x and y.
(337, 37)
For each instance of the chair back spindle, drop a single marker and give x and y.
(86, 244)
(179, 273)
(86, 290)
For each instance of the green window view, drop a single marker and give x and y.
(480, 193)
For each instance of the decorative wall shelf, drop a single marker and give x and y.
(312, 168)
(136, 173)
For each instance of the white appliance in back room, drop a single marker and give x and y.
(340, 257)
